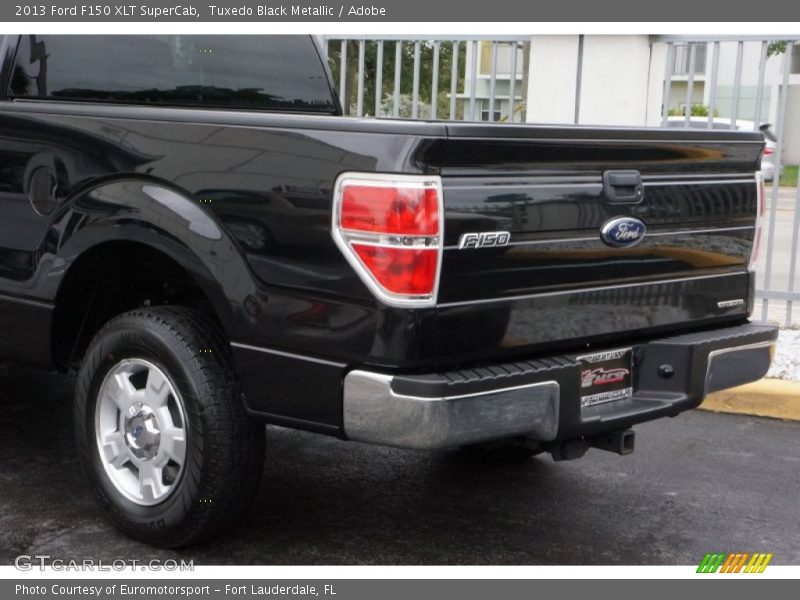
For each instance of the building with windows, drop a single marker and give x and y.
(627, 79)
(488, 72)
(696, 62)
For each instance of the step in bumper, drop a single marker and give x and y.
(540, 399)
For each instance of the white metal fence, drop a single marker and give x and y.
(777, 290)
(722, 81)
(477, 78)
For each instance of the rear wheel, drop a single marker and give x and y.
(161, 428)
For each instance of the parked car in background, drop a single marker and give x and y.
(768, 167)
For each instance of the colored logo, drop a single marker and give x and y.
(623, 232)
(601, 376)
(739, 562)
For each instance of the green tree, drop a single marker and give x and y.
(775, 48)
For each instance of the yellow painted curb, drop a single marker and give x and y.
(765, 398)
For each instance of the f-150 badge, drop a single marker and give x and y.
(486, 239)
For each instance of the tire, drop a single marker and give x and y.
(161, 429)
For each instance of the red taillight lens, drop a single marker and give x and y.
(389, 228)
(393, 210)
(399, 270)
(769, 151)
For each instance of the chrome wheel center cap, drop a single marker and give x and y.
(142, 433)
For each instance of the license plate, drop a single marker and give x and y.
(606, 376)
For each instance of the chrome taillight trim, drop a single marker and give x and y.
(345, 238)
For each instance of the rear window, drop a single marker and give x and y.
(244, 72)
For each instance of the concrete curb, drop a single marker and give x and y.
(774, 398)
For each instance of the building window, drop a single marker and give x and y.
(683, 56)
(504, 54)
(485, 111)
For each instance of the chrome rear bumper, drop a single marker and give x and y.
(374, 412)
(540, 399)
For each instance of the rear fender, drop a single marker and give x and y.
(160, 217)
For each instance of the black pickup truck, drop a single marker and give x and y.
(191, 225)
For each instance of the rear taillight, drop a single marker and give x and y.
(769, 151)
(761, 203)
(389, 228)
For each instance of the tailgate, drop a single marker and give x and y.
(559, 279)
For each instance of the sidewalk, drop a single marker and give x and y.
(777, 396)
(773, 398)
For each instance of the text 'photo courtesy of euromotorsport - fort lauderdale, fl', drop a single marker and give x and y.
(168, 590)
(375, 296)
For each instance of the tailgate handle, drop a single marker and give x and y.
(623, 186)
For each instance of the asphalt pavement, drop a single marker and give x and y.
(697, 483)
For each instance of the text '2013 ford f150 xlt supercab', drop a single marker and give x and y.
(191, 225)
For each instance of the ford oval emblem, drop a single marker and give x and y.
(623, 232)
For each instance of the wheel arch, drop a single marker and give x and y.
(152, 233)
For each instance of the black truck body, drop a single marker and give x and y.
(107, 206)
